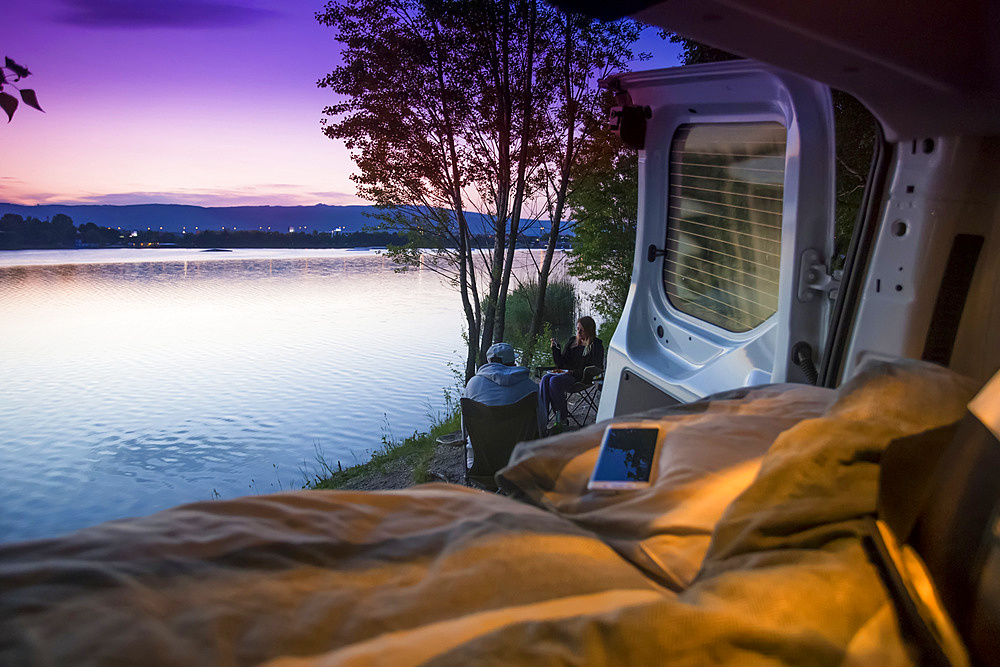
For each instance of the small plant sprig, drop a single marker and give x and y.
(10, 74)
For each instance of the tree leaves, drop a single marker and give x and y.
(19, 70)
(479, 105)
(28, 97)
(9, 104)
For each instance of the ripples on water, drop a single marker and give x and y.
(130, 386)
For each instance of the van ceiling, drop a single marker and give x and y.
(923, 67)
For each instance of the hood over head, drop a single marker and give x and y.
(503, 375)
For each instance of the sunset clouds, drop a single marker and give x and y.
(202, 102)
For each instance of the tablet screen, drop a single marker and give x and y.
(626, 455)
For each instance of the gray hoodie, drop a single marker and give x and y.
(497, 384)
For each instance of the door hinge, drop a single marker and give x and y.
(816, 278)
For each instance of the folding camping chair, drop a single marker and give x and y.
(587, 391)
(494, 430)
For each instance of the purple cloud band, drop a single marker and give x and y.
(160, 14)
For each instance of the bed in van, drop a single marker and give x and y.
(826, 490)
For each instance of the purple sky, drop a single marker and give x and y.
(177, 101)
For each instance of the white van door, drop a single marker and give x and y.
(730, 285)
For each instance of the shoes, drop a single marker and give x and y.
(558, 426)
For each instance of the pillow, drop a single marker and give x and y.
(788, 551)
(711, 451)
(822, 475)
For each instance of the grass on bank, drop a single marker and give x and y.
(413, 453)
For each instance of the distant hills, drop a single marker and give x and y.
(181, 217)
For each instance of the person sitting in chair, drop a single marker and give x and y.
(582, 350)
(500, 382)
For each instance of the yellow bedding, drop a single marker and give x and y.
(749, 554)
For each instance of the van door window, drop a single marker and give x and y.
(723, 246)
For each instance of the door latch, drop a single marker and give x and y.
(815, 277)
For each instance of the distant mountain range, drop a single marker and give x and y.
(180, 217)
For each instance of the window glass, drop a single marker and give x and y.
(723, 244)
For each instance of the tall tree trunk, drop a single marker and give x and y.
(527, 120)
(501, 84)
(560, 200)
(467, 302)
(466, 268)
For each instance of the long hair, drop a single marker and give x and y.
(590, 328)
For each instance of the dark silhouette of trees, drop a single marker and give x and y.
(17, 233)
(450, 106)
(92, 235)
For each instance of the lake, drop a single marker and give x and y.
(133, 380)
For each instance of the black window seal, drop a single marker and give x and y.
(856, 263)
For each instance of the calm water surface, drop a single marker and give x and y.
(135, 380)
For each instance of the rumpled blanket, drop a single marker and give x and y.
(446, 575)
(711, 451)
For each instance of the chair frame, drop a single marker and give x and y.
(492, 444)
(589, 392)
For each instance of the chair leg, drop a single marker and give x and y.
(589, 397)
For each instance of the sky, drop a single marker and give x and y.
(200, 102)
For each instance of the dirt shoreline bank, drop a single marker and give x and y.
(447, 464)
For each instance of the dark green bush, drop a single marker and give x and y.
(558, 320)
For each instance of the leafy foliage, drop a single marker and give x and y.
(693, 52)
(455, 105)
(16, 233)
(558, 319)
(8, 102)
(856, 131)
(606, 207)
(560, 306)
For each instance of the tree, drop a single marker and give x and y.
(17, 233)
(856, 131)
(606, 209)
(693, 52)
(10, 74)
(586, 52)
(406, 100)
(449, 106)
(504, 132)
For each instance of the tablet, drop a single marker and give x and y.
(628, 452)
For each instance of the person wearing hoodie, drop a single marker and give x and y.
(500, 382)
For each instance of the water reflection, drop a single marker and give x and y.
(131, 386)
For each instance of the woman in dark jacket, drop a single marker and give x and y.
(582, 350)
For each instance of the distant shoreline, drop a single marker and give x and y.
(127, 255)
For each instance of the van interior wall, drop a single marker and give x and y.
(977, 345)
(940, 188)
